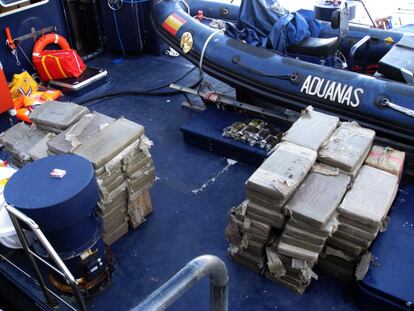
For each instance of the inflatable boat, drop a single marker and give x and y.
(373, 85)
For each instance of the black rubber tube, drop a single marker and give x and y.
(148, 92)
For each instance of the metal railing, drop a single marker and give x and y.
(16, 216)
(184, 279)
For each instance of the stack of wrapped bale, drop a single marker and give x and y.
(312, 216)
(118, 150)
(362, 214)
(247, 238)
(346, 150)
(19, 141)
(326, 222)
(27, 143)
(312, 221)
(120, 155)
(267, 191)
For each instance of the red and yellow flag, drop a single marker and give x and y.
(173, 23)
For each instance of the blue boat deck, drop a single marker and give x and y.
(186, 223)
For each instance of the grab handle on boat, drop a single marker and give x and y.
(364, 41)
(385, 102)
(293, 77)
(184, 279)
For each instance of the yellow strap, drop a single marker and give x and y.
(45, 68)
(57, 62)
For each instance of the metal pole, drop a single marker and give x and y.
(184, 279)
(36, 269)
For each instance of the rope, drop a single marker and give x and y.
(25, 56)
(186, 5)
(205, 47)
(118, 33)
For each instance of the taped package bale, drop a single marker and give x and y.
(247, 238)
(19, 140)
(371, 197)
(143, 178)
(343, 267)
(281, 174)
(309, 206)
(353, 227)
(55, 117)
(265, 215)
(119, 197)
(312, 129)
(139, 207)
(338, 267)
(126, 194)
(39, 150)
(313, 220)
(324, 232)
(110, 141)
(88, 126)
(114, 218)
(347, 147)
(362, 214)
(258, 198)
(294, 274)
(304, 235)
(110, 238)
(248, 260)
(386, 159)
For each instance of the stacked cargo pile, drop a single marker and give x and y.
(362, 214)
(301, 212)
(257, 220)
(312, 220)
(23, 142)
(346, 150)
(118, 150)
(247, 238)
(312, 216)
(27, 143)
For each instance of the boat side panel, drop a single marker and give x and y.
(50, 14)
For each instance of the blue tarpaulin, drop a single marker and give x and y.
(264, 23)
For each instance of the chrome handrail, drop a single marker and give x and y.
(184, 279)
(16, 216)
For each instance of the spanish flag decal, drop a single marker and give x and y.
(173, 23)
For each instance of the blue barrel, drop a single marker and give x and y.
(64, 208)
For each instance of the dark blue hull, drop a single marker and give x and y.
(259, 71)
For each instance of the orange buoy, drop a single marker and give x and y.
(50, 38)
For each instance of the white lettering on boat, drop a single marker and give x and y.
(333, 91)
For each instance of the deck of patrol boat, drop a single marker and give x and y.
(184, 224)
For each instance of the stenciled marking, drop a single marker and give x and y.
(332, 90)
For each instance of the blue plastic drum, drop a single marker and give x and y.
(62, 206)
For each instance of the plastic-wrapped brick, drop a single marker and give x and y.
(282, 173)
(312, 129)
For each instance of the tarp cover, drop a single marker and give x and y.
(264, 23)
